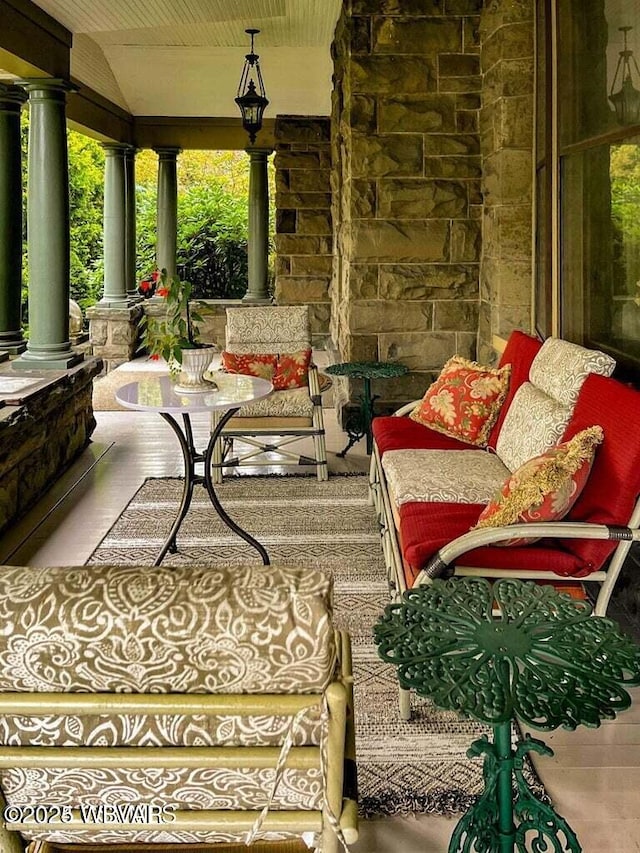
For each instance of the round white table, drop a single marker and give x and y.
(157, 394)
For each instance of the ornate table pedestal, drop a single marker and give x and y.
(359, 424)
(158, 394)
(544, 659)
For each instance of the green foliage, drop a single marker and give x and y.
(177, 330)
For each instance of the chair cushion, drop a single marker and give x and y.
(534, 423)
(560, 369)
(426, 527)
(464, 401)
(469, 476)
(398, 433)
(544, 488)
(294, 403)
(272, 328)
(519, 352)
(183, 630)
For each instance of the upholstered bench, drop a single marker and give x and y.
(431, 488)
(216, 701)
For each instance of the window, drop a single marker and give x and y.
(588, 175)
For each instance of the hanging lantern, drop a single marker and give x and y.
(251, 97)
(626, 100)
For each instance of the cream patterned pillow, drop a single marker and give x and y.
(560, 368)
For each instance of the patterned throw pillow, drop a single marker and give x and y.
(544, 488)
(250, 364)
(464, 401)
(292, 370)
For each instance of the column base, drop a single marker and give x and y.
(63, 361)
(4, 355)
(248, 299)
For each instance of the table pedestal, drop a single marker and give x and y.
(191, 457)
(489, 825)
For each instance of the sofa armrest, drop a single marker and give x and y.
(439, 565)
(404, 410)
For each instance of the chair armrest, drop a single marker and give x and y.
(439, 564)
(404, 410)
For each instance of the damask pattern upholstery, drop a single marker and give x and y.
(110, 629)
(288, 325)
(560, 368)
(467, 476)
(293, 403)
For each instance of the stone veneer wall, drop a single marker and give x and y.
(506, 136)
(407, 199)
(304, 243)
(40, 439)
(114, 333)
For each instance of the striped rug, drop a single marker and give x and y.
(403, 767)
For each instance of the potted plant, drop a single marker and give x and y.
(175, 337)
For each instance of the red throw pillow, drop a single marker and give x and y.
(464, 401)
(292, 370)
(545, 487)
(250, 364)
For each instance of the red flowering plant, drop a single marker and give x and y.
(167, 336)
(147, 286)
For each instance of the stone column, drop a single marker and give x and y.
(130, 221)
(11, 337)
(48, 229)
(115, 236)
(167, 227)
(258, 237)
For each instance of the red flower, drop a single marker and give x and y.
(145, 285)
(162, 291)
(155, 356)
(155, 275)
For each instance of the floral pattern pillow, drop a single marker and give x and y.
(544, 488)
(250, 364)
(464, 401)
(292, 370)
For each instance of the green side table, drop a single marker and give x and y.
(545, 659)
(360, 425)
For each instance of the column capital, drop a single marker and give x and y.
(46, 86)
(263, 152)
(115, 147)
(11, 98)
(167, 152)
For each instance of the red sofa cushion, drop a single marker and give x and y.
(427, 527)
(519, 352)
(398, 433)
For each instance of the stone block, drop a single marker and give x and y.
(510, 317)
(515, 128)
(309, 180)
(400, 240)
(467, 121)
(302, 129)
(511, 41)
(377, 316)
(453, 167)
(285, 221)
(514, 232)
(123, 334)
(417, 113)
(388, 75)
(389, 154)
(363, 114)
(397, 7)
(448, 144)
(283, 181)
(464, 7)
(363, 199)
(455, 315)
(314, 222)
(458, 65)
(508, 78)
(298, 290)
(294, 244)
(362, 348)
(311, 265)
(466, 344)
(421, 36)
(466, 241)
(500, 12)
(283, 265)
(363, 281)
(406, 282)
(513, 283)
(507, 177)
(418, 198)
(460, 84)
(303, 200)
(471, 34)
(360, 34)
(468, 101)
(418, 350)
(298, 160)
(98, 330)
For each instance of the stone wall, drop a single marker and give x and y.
(407, 194)
(114, 333)
(506, 136)
(40, 439)
(304, 229)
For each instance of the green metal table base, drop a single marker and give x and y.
(544, 659)
(489, 825)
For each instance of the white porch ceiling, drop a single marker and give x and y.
(184, 57)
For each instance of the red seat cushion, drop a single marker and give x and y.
(398, 433)
(519, 352)
(427, 527)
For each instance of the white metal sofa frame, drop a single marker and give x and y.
(272, 329)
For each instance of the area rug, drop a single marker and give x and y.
(403, 767)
